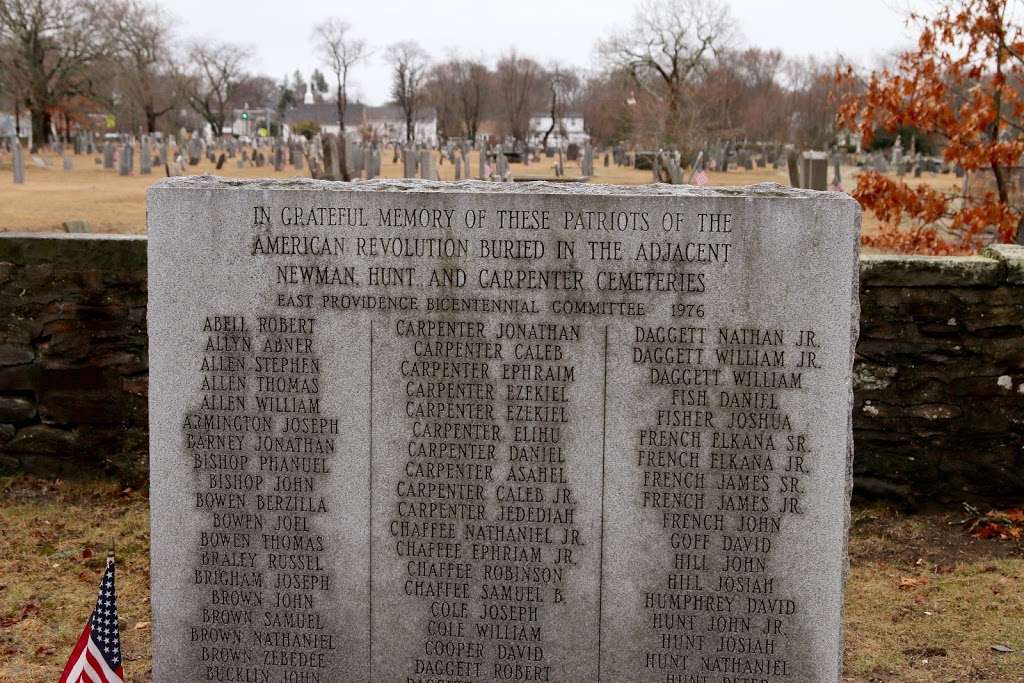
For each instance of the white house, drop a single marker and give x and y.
(385, 123)
(568, 129)
(24, 125)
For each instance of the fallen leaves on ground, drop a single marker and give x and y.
(1007, 525)
(907, 583)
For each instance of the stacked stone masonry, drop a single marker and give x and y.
(939, 377)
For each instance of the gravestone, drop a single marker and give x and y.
(793, 166)
(145, 157)
(814, 170)
(501, 164)
(195, 151)
(17, 162)
(125, 161)
(108, 155)
(373, 162)
(67, 162)
(76, 226)
(587, 161)
(358, 160)
(428, 169)
(409, 161)
(329, 147)
(414, 431)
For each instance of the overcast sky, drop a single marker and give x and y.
(278, 33)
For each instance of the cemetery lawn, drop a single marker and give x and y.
(116, 204)
(925, 601)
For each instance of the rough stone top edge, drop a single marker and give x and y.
(761, 190)
(1012, 256)
(76, 236)
(897, 270)
(76, 251)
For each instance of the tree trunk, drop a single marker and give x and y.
(551, 128)
(41, 121)
(342, 152)
(1001, 189)
(410, 133)
(150, 119)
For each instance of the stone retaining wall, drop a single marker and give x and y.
(73, 354)
(939, 378)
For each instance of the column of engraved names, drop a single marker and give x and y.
(260, 447)
(722, 611)
(479, 492)
(670, 455)
(538, 538)
(453, 438)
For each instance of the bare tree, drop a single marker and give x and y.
(563, 84)
(339, 51)
(459, 89)
(50, 55)
(474, 84)
(811, 108)
(408, 68)
(605, 104)
(217, 70)
(520, 86)
(669, 46)
(141, 34)
(442, 87)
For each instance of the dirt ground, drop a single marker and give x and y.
(112, 203)
(925, 602)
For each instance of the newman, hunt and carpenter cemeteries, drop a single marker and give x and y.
(424, 432)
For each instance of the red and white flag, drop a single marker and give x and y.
(97, 654)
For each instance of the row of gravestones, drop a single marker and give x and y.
(323, 154)
(808, 171)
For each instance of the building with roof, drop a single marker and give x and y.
(384, 123)
(568, 129)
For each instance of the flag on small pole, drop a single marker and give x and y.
(97, 654)
(700, 176)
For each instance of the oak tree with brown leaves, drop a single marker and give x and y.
(961, 85)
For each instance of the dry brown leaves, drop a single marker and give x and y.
(1007, 525)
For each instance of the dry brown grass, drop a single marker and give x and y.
(53, 544)
(926, 602)
(111, 203)
(960, 596)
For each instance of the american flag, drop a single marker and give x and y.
(97, 654)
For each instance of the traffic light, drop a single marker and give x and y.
(245, 116)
